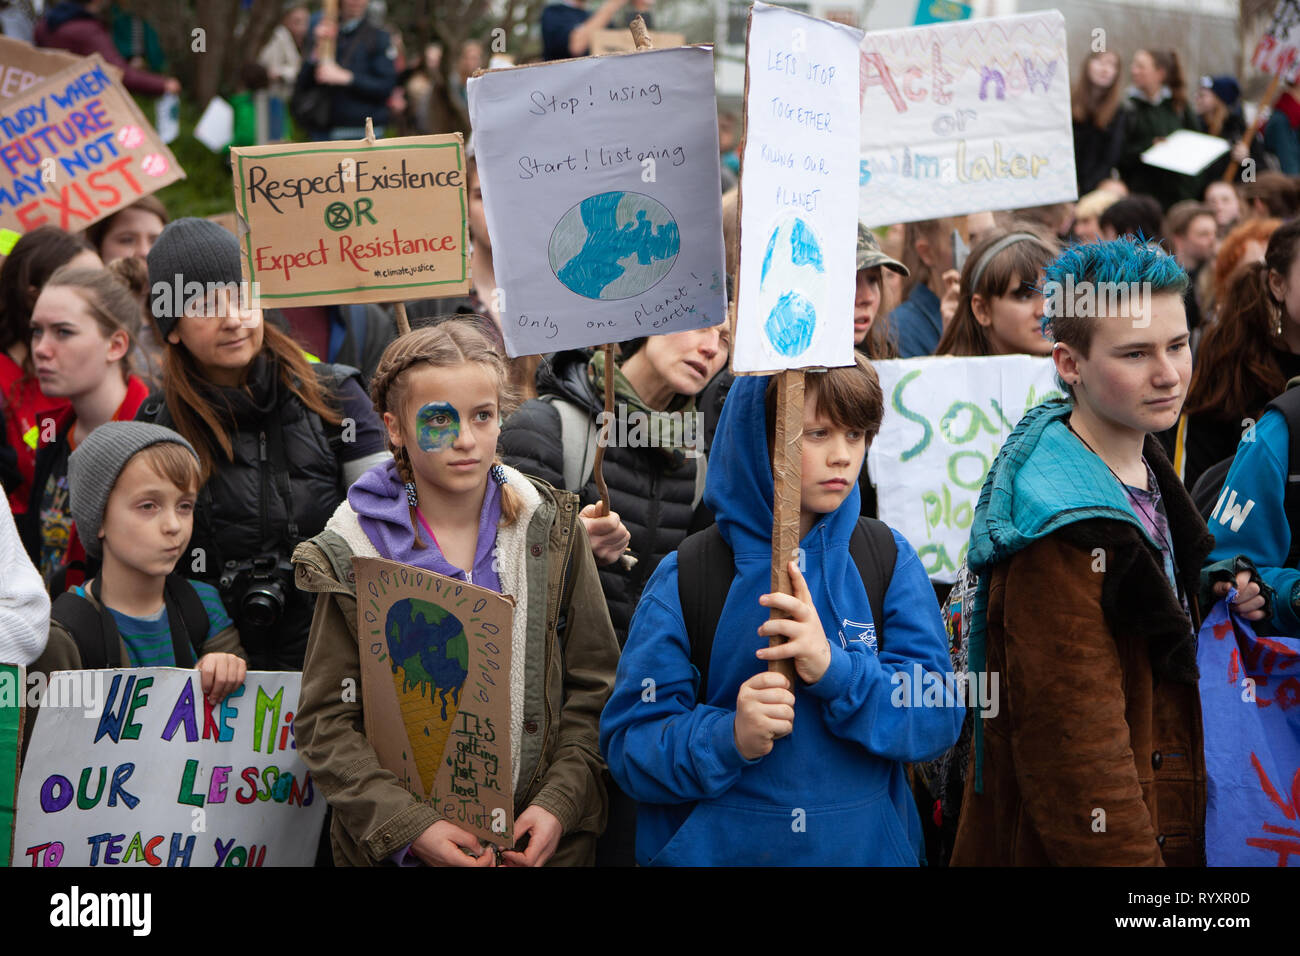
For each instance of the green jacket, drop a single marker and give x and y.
(1144, 123)
(566, 683)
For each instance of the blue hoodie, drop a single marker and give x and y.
(834, 791)
(1249, 517)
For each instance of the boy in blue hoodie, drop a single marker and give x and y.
(752, 770)
(1088, 552)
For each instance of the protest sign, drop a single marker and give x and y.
(620, 41)
(600, 182)
(1250, 687)
(353, 221)
(152, 774)
(963, 117)
(74, 149)
(435, 678)
(1185, 151)
(1278, 50)
(12, 700)
(798, 193)
(23, 65)
(945, 419)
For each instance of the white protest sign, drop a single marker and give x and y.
(964, 117)
(154, 775)
(945, 420)
(1278, 50)
(798, 194)
(601, 187)
(1185, 151)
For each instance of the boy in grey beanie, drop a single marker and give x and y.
(132, 489)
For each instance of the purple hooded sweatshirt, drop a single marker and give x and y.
(379, 499)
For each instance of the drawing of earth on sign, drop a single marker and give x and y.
(793, 278)
(614, 245)
(430, 659)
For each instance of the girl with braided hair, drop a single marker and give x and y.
(444, 502)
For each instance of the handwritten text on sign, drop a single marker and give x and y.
(945, 419)
(600, 183)
(435, 672)
(354, 222)
(1278, 50)
(798, 202)
(74, 149)
(963, 117)
(158, 776)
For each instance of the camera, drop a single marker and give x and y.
(257, 587)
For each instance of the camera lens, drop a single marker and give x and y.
(263, 604)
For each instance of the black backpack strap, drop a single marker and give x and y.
(705, 570)
(1288, 403)
(93, 629)
(186, 607)
(874, 551)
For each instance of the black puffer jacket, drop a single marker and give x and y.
(651, 496)
(243, 510)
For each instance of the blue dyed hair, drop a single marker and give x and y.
(1129, 263)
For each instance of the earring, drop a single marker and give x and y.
(498, 474)
(412, 496)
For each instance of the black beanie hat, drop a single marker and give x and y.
(189, 250)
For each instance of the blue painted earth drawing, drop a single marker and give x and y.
(793, 278)
(614, 245)
(428, 647)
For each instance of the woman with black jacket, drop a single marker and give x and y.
(279, 439)
(1096, 102)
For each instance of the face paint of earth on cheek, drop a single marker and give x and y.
(437, 426)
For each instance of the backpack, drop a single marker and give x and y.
(1209, 487)
(706, 568)
(580, 457)
(95, 632)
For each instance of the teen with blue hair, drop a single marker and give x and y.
(1088, 553)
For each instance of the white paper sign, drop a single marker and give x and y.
(134, 768)
(944, 422)
(601, 186)
(1278, 50)
(964, 117)
(798, 223)
(1185, 151)
(216, 127)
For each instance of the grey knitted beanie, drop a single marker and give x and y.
(94, 467)
(188, 250)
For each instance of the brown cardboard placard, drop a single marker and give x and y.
(621, 41)
(23, 65)
(435, 674)
(352, 220)
(74, 149)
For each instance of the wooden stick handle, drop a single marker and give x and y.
(787, 464)
(598, 472)
(399, 314)
(1230, 173)
(639, 34)
(330, 14)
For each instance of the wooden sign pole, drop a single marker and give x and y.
(787, 468)
(1230, 173)
(628, 561)
(399, 308)
(329, 14)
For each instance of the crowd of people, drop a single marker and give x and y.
(188, 488)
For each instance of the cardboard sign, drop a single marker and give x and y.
(1278, 50)
(945, 420)
(1249, 687)
(601, 182)
(352, 221)
(12, 699)
(23, 65)
(963, 117)
(154, 775)
(798, 193)
(74, 149)
(620, 41)
(435, 677)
